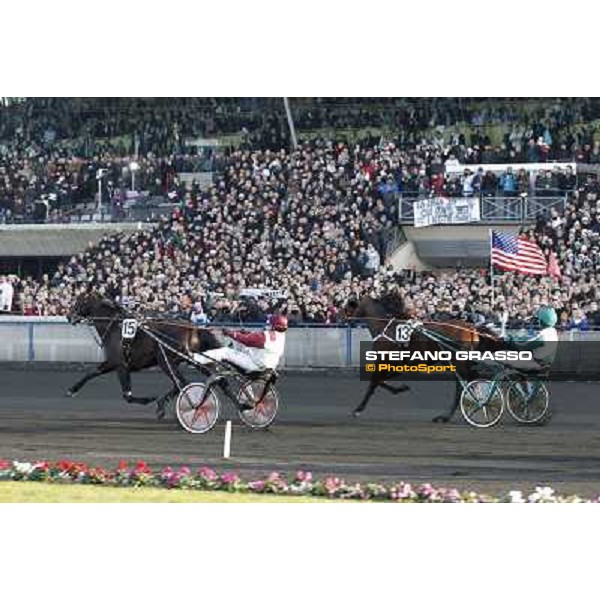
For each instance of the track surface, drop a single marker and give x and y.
(393, 440)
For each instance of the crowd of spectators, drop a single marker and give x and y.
(309, 227)
(310, 222)
(160, 124)
(253, 243)
(57, 186)
(52, 148)
(63, 184)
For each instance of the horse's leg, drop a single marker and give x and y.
(370, 391)
(179, 382)
(395, 389)
(162, 402)
(101, 369)
(124, 375)
(445, 418)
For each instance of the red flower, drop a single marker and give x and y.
(142, 467)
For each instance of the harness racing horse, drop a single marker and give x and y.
(380, 314)
(141, 352)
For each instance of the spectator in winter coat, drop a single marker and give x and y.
(6, 294)
(578, 321)
(508, 182)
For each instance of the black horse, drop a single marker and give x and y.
(379, 313)
(145, 350)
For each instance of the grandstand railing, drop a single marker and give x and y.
(494, 209)
(148, 211)
(394, 238)
(539, 205)
(52, 339)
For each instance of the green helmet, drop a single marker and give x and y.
(547, 316)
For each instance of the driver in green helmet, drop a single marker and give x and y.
(543, 344)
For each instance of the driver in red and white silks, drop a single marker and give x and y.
(255, 350)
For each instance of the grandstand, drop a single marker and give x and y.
(232, 207)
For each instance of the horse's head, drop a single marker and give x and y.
(376, 312)
(352, 310)
(82, 308)
(90, 304)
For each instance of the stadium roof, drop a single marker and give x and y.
(53, 240)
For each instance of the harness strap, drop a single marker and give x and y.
(100, 341)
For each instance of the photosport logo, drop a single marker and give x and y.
(565, 360)
(423, 364)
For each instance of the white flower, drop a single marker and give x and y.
(542, 494)
(516, 496)
(23, 467)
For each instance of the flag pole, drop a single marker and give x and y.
(491, 270)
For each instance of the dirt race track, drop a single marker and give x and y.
(393, 440)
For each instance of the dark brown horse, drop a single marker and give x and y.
(380, 316)
(145, 350)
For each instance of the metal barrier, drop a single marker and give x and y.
(52, 339)
(495, 209)
(394, 237)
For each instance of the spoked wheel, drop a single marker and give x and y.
(265, 403)
(482, 403)
(196, 413)
(527, 401)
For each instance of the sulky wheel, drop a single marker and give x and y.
(482, 403)
(265, 403)
(527, 401)
(196, 412)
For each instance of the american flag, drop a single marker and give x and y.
(517, 254)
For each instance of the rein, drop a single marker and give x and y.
(388, 320)
(481, 333)
(163, 339)
(100, 341)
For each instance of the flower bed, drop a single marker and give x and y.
(301, 483)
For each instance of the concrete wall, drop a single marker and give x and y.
(42, 339)
(57, 240)
(451, 245)
(38, 339)
(406, 257)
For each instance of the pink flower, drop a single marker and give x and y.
(207, 473)
(403, 491)
(229, 478)
(304, 476)
(4, 465)
(166, 472)
(452, 495)
(256, 486)
(333, 484)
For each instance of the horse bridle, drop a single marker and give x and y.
(411, 323)
(416, 324)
